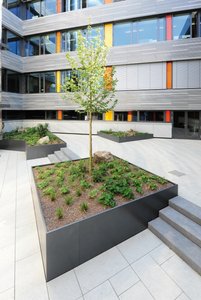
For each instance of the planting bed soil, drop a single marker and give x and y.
(124, 136)
(68, 188)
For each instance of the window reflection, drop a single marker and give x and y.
(70, 38)
(181, 26)
(13, 43)
(50, 82)
(137, 32)
(33, 83)
(122, 34)
(33, 46)
(49, 43)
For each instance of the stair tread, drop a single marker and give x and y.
(61, 156)
(53, 158)
(182, 223)
(69, 153)
(187, 208)
(185, 248)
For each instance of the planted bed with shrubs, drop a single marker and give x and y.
(124, 136)
(80, 216)
(36, 141)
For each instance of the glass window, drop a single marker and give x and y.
(33, 46)
(13, 82)
(147, 31)
(14, 7)
(91, 3)
(152, 116)
(49, 43)
(64, 75)
(48, 7)
(94, 31)
(50, 82)
(161, 29)
(13, 43)
(33, 10)
(69, 41)
(122, 34)
(181, 26)
(33, 83)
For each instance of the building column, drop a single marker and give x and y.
(107, 1)
(59, 6)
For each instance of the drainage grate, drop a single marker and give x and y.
(177, 173)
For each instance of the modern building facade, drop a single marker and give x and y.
(155, 47)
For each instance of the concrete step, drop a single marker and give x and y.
(187, 208)
(186, 249)
(183, 224)
(53, 158)
(61, 156)
(70, 154)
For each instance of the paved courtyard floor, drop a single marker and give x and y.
(140, 268)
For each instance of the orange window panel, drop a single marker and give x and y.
(130, 116)
(108, 1)
(58, 42)
(109, 116)
(108, 78)
(59, 115)
(168, 116)
(169, 75)
(169, 27)
(59, 7)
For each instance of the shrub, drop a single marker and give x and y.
(84, 184)
(78, 193)
(64, 190)
(84, 206)
(93, 193)
(69, 200)
(59, 213)
(50, 192)
(153, 186)
(43, 184)
(42, 130)
(127, 193)
(107, 199)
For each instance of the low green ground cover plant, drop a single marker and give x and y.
(31, 135)
(67, 185)
(128, 133)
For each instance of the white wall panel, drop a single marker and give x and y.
(187, 74)
(141, 76)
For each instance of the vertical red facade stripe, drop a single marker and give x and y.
(168, 116)
(169, 27)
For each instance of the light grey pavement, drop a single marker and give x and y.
(140, 268)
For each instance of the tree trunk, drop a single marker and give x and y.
(90, 143)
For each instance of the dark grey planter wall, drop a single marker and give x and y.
(31, 151)
(42, 150)
(117, 139)
(13, 145)
(67, 247)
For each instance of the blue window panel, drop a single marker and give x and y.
(181, 26)
(122, 34)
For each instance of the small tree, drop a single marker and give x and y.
(90, 85)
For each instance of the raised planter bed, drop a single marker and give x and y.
(68, 246)
(32, 152)
(125, 139)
